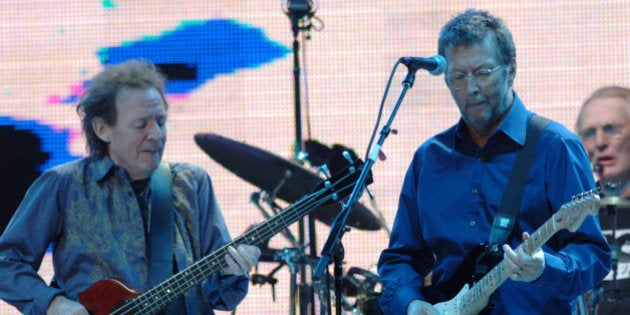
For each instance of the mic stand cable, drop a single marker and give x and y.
(338, 226)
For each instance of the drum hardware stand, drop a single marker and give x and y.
(300, 12)
(269, 199)
(293, 258)
(262, 279)
(611, 191)
(323, 289)
(338, 273)
(379, 214)
(289, 256)
(596, 296)
(296, 260)
(614, 247)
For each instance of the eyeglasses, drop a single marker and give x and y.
(609, 130)
(482, 77)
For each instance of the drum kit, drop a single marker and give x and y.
(614, 291)
(283, 179)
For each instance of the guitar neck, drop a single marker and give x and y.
(493, 279)
(570, 216)
(163, 294)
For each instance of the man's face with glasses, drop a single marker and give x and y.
(604, 127)
(480, 84)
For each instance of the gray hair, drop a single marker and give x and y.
(471, 27)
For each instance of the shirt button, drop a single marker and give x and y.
(474, 190)
(471, 223)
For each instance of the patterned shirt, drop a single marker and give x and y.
(88, 212)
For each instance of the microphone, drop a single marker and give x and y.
(299, 8)
(435, 65)
(598, 168)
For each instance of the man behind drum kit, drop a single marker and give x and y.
(604, 127)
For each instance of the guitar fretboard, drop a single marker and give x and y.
(570, 216)
(163, 294)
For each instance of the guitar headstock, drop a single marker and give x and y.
(572, 214)
(342, 183)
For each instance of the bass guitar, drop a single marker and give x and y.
(475, 289)
(110, 296)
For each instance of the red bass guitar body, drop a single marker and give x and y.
(104, 296)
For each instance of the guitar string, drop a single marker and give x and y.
(178, 285)
(491, 281)
(152, 298)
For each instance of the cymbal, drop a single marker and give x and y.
(273, 174)
(623, 257)
(615, 201)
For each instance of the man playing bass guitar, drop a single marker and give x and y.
(98, 213)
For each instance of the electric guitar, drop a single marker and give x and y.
(110, 296)
(474, 295)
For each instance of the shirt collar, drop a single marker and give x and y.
(99, 168)
(514, 125)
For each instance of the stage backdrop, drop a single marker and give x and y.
(232, 70)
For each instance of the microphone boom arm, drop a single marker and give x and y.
(338, 226)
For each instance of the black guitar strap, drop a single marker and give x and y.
(161, 232)
(513, 194)
(161, 226)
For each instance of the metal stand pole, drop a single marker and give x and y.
(297, 10)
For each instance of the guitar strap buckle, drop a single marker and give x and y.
(501, 227)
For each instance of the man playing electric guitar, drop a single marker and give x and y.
(454, 186)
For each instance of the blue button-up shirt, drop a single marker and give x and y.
(88, 211)
(450, 196)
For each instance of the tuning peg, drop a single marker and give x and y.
(347, 156)
(324, 171)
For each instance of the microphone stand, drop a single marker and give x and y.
(333, 245)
